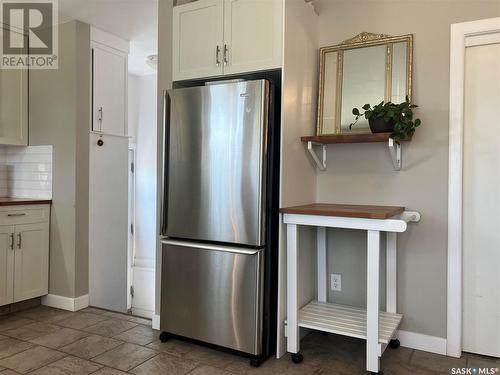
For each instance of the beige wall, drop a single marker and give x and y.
(362, 173)
(164, 83)
(298, 181)
(83, 114)
(59, 113)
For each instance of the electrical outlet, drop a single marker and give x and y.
(336, 282)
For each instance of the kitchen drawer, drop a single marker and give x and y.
(28, 214)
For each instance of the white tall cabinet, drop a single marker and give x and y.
(221, 37)
(108, 175)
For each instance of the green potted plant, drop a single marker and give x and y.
(390, 117)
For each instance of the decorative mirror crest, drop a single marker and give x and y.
(365, 37)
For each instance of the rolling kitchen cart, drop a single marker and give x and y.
(379, 329)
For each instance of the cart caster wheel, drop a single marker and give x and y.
(394, 344)
(164, 336)
(297, 358)
(256, 362)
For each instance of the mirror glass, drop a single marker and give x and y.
(368, 68)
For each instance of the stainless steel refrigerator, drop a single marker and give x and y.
(215, 208)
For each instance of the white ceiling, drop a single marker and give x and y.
(133, 20)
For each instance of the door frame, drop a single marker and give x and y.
(132, 149)
(462, 35)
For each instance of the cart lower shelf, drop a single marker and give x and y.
(346, 320)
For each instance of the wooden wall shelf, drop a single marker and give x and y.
(323, 140)
(347, 138)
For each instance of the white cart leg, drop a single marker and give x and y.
(292, 289)
(372, 302)
(322, 264)
(391, 273)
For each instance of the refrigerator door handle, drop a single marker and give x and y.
(226, 249)
(164, 160)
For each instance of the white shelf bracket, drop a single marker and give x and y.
(321, 163)
(395, 151)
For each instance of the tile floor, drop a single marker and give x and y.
(46, 341)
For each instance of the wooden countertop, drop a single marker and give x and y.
(22, 201)
(345, 210)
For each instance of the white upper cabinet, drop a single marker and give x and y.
(198, 39)
(14, 106)
(252, 35)
(219, 37)
(109, 91)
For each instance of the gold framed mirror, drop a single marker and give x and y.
(368, 68)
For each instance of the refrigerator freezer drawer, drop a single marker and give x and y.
(213, 294)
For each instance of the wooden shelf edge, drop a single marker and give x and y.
(348, 138)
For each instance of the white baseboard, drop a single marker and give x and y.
(143, 313)
(426, 343)
(156, 322)
(66, 303)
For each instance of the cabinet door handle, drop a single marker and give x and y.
(217, 55)
(11, 241)
(19, 240)
(18, 214)
(226, 54)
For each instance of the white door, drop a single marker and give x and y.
(108, 222)
(481, 198)
(109, 91)
(6, 265)
(197, 39)
(252, 35)
(31, 261)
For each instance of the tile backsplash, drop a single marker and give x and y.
(26, 172)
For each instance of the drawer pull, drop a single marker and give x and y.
(19, 214)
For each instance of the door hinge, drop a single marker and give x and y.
(132, 167)
(132, 290)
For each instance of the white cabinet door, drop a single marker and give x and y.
(110, 91)
(197, 39)
(108, 218)
(252, 35)
(14, 106)
(31, 264)
(6, 265)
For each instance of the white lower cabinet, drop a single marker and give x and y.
(6, 265)
(24, 253)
